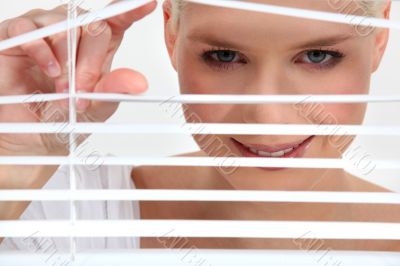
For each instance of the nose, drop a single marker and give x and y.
(271, 80)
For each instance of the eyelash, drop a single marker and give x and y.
(207, 56)
(208, 53)
(336, 55)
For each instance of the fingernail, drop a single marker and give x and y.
(53, 70)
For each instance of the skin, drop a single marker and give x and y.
(25, 69)
(269, 69)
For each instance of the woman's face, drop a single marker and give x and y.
(227, 51)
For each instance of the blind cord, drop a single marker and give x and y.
(72, 46)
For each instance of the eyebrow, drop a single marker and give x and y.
(321, 42)
(327, 41)
(215, 41)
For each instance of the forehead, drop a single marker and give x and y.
(337, 6)
(252, 27)
(347, 7)
(320, 5)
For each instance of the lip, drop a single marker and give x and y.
(295, 153)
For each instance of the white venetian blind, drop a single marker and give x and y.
(74, 228)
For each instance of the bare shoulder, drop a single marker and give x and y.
(373, 212)
(358, 184)
(170, 177)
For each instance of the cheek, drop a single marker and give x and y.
(352, 78)
(191, 78)
(354, 81)
(195, 79)
(198, 77)
(208, 113)
(346, 114)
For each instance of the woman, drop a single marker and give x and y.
(213, 52)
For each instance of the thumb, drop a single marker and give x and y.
(125, 81)
(119, 24)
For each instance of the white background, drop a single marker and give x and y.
(143, 49)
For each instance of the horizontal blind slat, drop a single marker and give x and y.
(201, 129)
(213, 228)
(243, 98)
(178, 255)
(205, 98)
(223, 162)
(201, 195)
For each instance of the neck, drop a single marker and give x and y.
(287, 180)
(290, 179)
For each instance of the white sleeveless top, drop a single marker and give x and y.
(88, 177)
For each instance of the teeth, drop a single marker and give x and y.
(264, 153)
(253, 150)
(273, 154)
(278, 154)
(288, 150)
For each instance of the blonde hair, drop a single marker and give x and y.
(371, 7)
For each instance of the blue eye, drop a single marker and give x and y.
(321, 57)
(225, 56)
(317, 56)
(223, 59)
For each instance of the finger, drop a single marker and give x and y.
(38, 50)
(4, 32)
(59, 41)
(119, 81)
(59, 44)
(93, 49)
(15, 51)
(4, 29)
(119, 24)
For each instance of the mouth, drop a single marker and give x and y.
(289, 150)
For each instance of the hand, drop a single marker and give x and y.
(41, 67)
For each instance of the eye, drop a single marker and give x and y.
(317, 57)
(320, 58)
(225, 56)
(223, 59)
